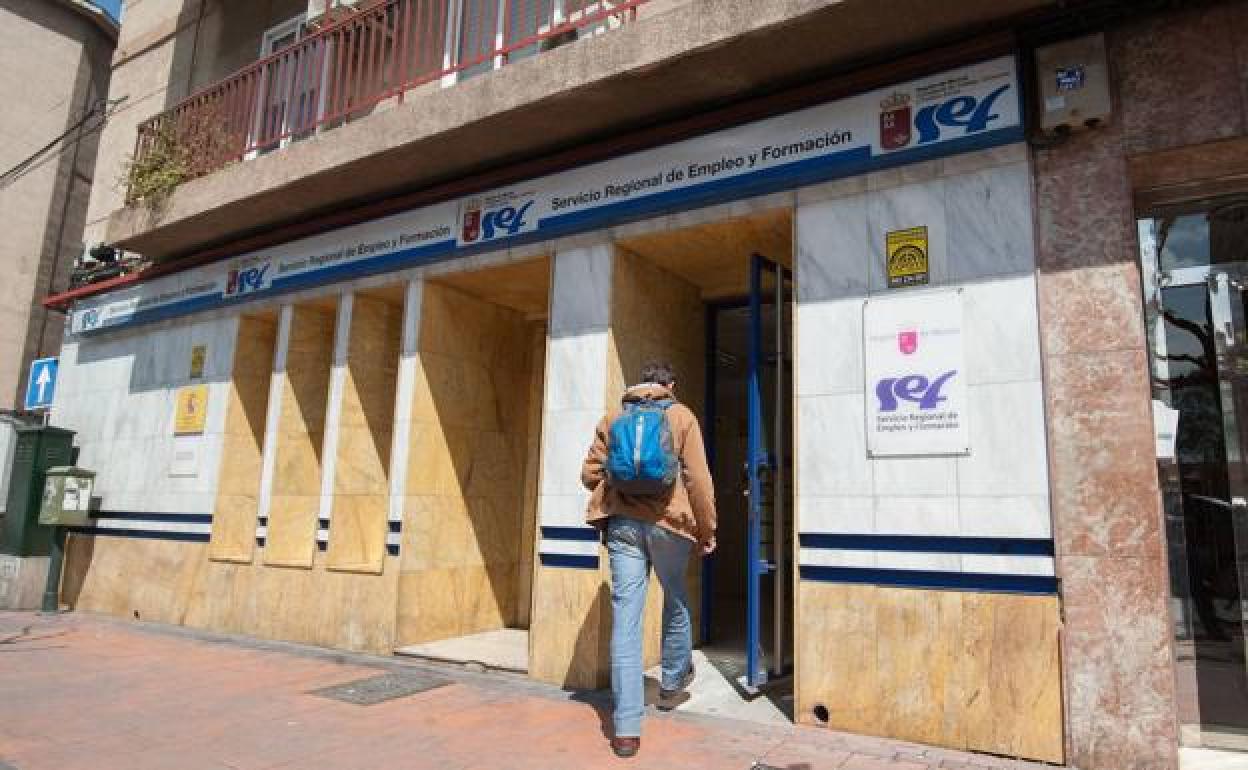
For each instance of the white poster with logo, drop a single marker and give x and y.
(915, 375)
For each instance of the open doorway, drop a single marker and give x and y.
(467, 561)
(740, 269)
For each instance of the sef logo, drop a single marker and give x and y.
(509, 219)
(965, 112)
(243, 281)
(914, 388)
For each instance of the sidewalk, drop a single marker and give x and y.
(81, 691)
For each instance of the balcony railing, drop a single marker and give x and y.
(346, 69)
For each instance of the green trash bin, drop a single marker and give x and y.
(36, 449)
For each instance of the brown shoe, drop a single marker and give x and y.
(626, 746)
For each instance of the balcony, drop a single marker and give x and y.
(348, 68)
(357, 119)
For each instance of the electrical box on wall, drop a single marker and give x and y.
(1074, 84)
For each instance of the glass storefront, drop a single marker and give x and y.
(1195, 274)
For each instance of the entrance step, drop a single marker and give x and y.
(714, 691)
(506, 649)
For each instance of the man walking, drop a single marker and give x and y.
(654, 500)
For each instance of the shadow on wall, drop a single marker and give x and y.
(477, 363)
(593, 644)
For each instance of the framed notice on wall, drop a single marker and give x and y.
(916, 402)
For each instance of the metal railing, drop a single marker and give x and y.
(350, 66)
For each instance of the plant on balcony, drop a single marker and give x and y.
(175, 150)
(161, 164)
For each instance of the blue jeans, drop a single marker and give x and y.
(633, 548)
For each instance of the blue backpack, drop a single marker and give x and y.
(641, 457)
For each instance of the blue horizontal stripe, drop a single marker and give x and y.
(142, 534)
(188, 518)
(930, 544)
(569, 560)
(581, 534)
(395, 526)
(393, 550)
(958, 581)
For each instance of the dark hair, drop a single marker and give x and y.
(659, 372)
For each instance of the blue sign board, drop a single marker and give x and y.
(41, 385)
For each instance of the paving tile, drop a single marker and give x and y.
(137, 696)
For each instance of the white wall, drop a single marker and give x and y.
(119, 394)
(978, 212)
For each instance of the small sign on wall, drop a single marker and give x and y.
(907, 257)
(185, 460)
(199, 354)
(192, 410)
(916, 402)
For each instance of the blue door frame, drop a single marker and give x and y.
(759, 460)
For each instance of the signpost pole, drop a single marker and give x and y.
(56, 557)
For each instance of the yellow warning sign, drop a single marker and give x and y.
(192, 410)
(907, 257)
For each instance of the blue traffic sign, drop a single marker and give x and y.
(41, 386)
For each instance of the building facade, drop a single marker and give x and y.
(48, 140)
(975, 365)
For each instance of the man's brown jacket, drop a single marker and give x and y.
(689, 509)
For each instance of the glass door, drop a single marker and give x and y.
(1196, 279)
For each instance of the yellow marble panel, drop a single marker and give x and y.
(238, 478)
(569, 634)
(357, 533)
(362, 465)
(233, 528)
(958, 669)
(291, 540)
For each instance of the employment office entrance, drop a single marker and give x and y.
(1195, 267)
(735, 277)
(714, 299)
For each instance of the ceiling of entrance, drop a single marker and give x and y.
(715, 256)
(523, 286)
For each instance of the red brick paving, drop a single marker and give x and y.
(80, 691)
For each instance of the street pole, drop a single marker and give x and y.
(56, 557)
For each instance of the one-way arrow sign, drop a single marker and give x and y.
(41, 386)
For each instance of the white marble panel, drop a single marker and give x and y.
(835, 557)
(333, 407)
(990, 223)
(1008, 443)
(404, 387)
(567, 436)
(837, 188)
(934, 562)
(831, 446)
(563, 510)
(968, 162)
(218, 405)
(899, 208)
(916, 515)
(569, 547)
(1001, 330)
(847, 515)
(915, 476)
(1024, 517)
(999, 564)
(833, 250)
(581, 295)
(577, 371)
(829, 357)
